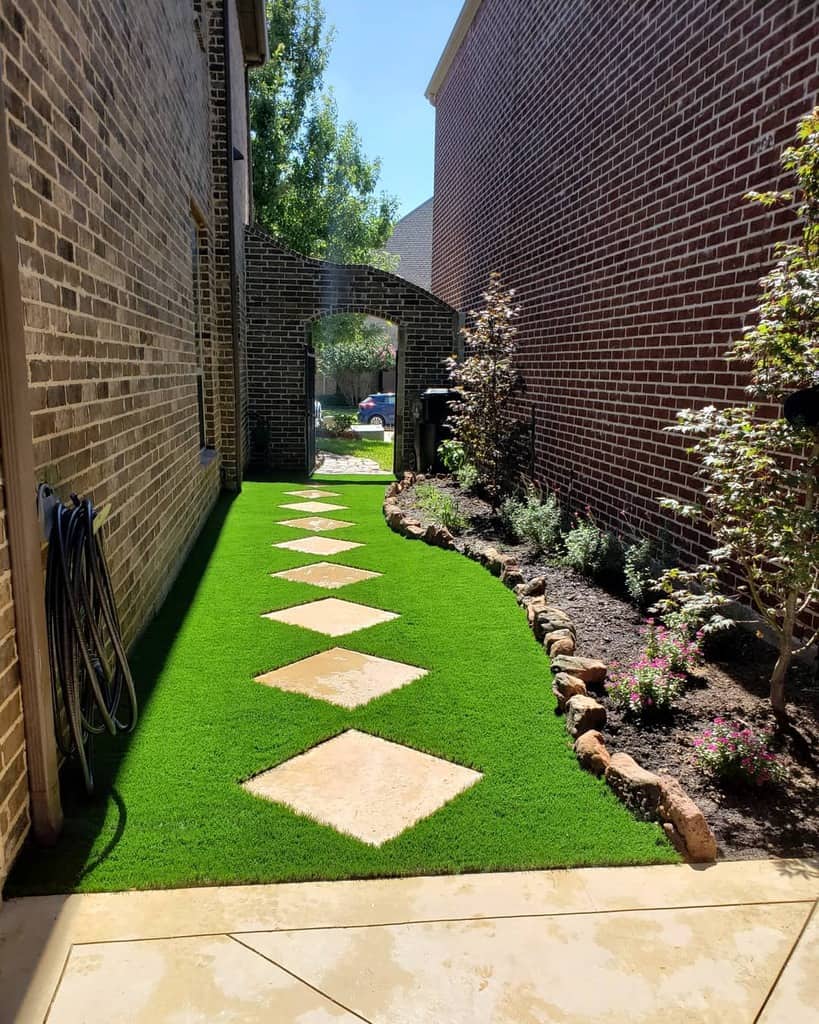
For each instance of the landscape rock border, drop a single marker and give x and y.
(653, 797)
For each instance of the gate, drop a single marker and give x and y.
(310, 406)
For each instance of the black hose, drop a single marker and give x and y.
(89, 668)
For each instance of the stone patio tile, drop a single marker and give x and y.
(346, 678)
(331, 616)
(319, 524)
(318, 545)
(364, 786)
(326, 574)
(314, 506)
(703, 885)
(674, 966)
(36, 933)
(796, 996)
(313, 492)
(187, 980)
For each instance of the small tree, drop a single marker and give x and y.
(760, 475)
(485, 381)
(351, 348)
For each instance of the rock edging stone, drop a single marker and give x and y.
(654, 797)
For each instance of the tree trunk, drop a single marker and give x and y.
(778, 677)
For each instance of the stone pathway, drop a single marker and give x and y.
(347, 465)
(359, 784)
(736, 942)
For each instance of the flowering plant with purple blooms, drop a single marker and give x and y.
(647, 685)
(732, 752)
(682, 651)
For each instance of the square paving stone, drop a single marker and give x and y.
(317, 523)
(346, 678)
(313, 492)
(364, 786)
(318, 545)
(314, 506)
(331, 616)
(326, 575)
(190, 980)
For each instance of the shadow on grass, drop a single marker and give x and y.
(85, 817)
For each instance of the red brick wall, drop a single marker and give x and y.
(596, 153)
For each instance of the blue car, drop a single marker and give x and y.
(378, 409)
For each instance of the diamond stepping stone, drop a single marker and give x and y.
(314, 506)
(326, 574)
(313, 492)
(331, 616)
(364, 786)
(317, 523)
(318, 545)
(346, 678)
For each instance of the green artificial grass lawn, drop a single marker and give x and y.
(359, 448)
(171, 811)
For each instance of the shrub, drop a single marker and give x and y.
(644, 561)
(592, 551)
(646, 686)
(441, 508)
(485, 381)
(730, 752)
(453, 456)
(338, 424)
(682, 653)
(532, 520)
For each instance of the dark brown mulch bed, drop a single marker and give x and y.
(733, 683)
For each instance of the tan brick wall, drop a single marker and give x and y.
(111, 139)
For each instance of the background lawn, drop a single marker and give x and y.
(170, 810)
(359, 448)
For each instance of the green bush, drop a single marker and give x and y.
(441, 508)
(532, 520)
(338, 424)
(593, 551)
(453, 456)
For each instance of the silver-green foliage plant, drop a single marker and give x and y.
(440, 507)
(534, 521)
(759, 476)
(485, 380)
(593, 551)
(453, 456)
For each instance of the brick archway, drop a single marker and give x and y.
(286, 294)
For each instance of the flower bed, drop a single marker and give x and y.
(731, 683)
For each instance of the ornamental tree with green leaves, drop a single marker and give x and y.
(760, 475)
(314, 188)
(485, 381)
(351, 348)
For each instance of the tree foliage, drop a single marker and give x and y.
(351, 348)
(313, 186)
(759, 498)
(485, 381)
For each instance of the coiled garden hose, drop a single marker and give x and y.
(89, 669)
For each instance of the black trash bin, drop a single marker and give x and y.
(432, 427)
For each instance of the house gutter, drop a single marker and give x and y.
(456, 38)
(22, 527)
(234, 275)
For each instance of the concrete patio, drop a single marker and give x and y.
(736, 942)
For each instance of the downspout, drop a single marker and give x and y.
(22, 526)
(238, 439)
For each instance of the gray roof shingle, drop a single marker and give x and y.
(412, 241)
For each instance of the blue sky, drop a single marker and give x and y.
(382, 60)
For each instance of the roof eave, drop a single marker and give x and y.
(253, 30)
(457, 36)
